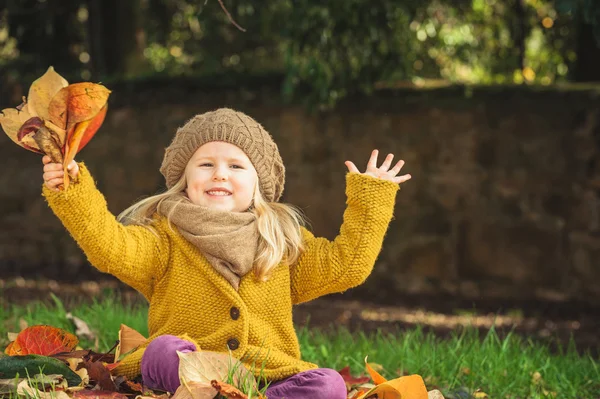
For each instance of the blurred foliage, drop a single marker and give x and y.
(324, 50)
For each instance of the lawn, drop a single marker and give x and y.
(466, 361)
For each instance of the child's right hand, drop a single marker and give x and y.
(54, 174)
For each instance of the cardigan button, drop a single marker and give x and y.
(234, 313)
(233, 344)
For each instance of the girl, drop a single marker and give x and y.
(219, 259)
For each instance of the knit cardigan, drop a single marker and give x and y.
(188, 298)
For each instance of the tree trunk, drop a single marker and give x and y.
(117, 40)
(587, 66)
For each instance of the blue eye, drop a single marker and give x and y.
(206, 164)
(236, 167)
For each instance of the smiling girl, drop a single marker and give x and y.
(220, 260)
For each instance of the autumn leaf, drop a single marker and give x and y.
(350, 380)
(195, 390)
(42, 91)
(57, 118)
(99, 374)
(42, 340)
(129, 339)
(229, 391)
(377, 378)
(204, 366)
(407, 387)
(98, 394)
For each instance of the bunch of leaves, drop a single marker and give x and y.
(57, 118)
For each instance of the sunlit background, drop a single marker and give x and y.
(330, 48)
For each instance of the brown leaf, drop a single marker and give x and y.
(129, 339)
(42, 91)
(229, 391)
(99, 374)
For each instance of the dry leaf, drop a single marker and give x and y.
(195, 390)
(377, 378)
(129, 339)
(41, 340)
(229, 391)
(408, 387)
(42, 91)
(81, 327)
(435, 394)
(203, 366)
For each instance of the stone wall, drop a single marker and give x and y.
(504, 200)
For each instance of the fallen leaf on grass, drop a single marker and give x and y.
(97, 394)
(229, 391)
(42, 340)
(205, 366)
(81, 328)
(195, 390)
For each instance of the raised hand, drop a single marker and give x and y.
(383, 172)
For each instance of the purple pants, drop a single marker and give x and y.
(160, 370)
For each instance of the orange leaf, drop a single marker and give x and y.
(76, 103)
(377, 378)
(408, 387)
(42, 340)
(93, 128)
(71, 147)
(229, 391)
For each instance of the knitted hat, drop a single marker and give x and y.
(232, 127)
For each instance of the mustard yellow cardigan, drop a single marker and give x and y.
(188, 298)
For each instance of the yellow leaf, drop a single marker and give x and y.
(11, 120)
(407, 387)
(195, 390)
(480, 395)
(42, 91)
(377, 378)
(205, 366)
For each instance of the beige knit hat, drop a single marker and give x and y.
(233, 127)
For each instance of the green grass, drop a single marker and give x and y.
(509, 367)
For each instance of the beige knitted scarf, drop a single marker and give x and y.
(228, 240)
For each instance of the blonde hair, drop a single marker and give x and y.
(280, 236)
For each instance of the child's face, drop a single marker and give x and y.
(220, 176)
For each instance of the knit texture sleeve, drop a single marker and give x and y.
(326, 266)
(133, 254)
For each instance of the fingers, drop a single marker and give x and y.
(401, 179)
(386, 163)
(351, 167)
(396, 169)
(372, 164)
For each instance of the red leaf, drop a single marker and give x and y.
(42, 340)
(97, 394)
(350, 380)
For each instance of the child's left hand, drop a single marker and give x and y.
(383, 172)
